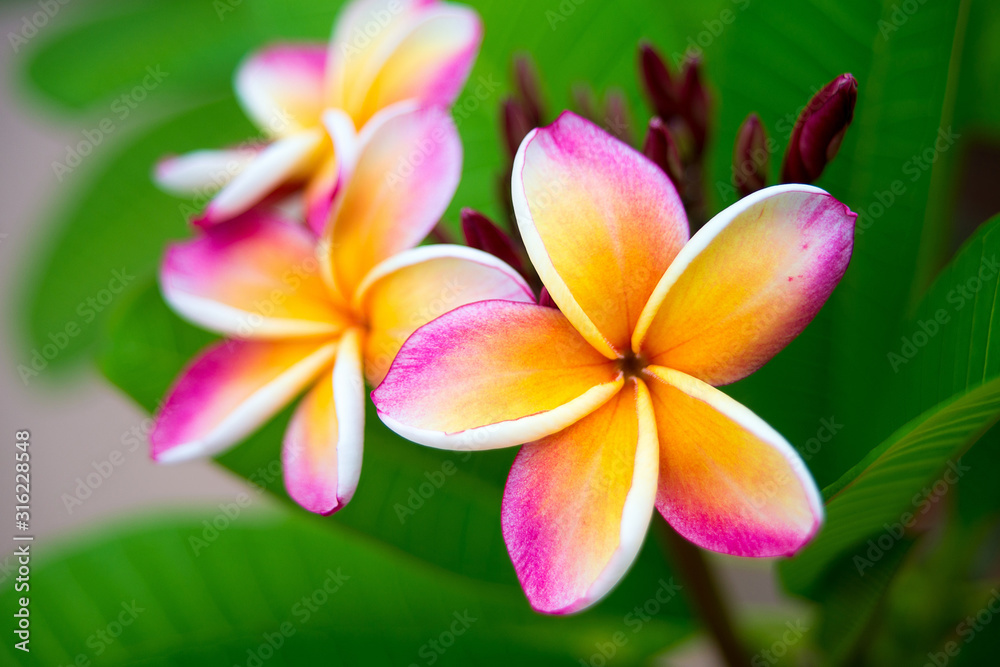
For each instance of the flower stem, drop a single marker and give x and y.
(702, 589)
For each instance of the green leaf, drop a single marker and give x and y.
(851, 602)
(890, 486)
(949, 376)
(189, 596)
(441, 507)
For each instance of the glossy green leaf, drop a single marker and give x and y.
(283, 591)
(896, 482)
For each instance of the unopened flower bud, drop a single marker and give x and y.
(660, 147)
(483, 234)
(819, 130)
(616, 116)
(694, 102)
(658, 82)
(750, 156)
(584, 102)
(516, 125)
(529, 90)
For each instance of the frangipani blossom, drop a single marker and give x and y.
(613, 391)
(322, 315)
(382, 52)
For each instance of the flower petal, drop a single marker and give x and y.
(578, 503)
(493, 374)
(601, 224)
(410, 289)
(728, 481)
(335, 169)
(202, 172)
(406, 173)
(747, 283)
(291, 158)
(281, 87)
(321, 455)
(229, 391)
(256, 276)
(389, 51)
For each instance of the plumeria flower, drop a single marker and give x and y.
(321, 314)
(614, 390)
(382, 52)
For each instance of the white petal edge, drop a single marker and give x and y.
(349, 402)
(254, 411)
(540, 258)
(514, 432)
(427, 253)
(697, 244)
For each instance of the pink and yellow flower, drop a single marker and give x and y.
(614, 391)
(382, 52)
(325, 314)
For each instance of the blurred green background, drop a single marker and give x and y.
(920, 164)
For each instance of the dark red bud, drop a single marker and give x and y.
(750, 156)
(616, 116)
(819, 130)
(661, 148)
(545, 299)
(516, 125)
(483, 234)
(584, 102)
(658, 82)
(529, 89)
(694, 102)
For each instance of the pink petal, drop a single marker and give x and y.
(728, 481)
(578, 503)
(281, 87)
(256, 276)
(229, 391)
(493, 374)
